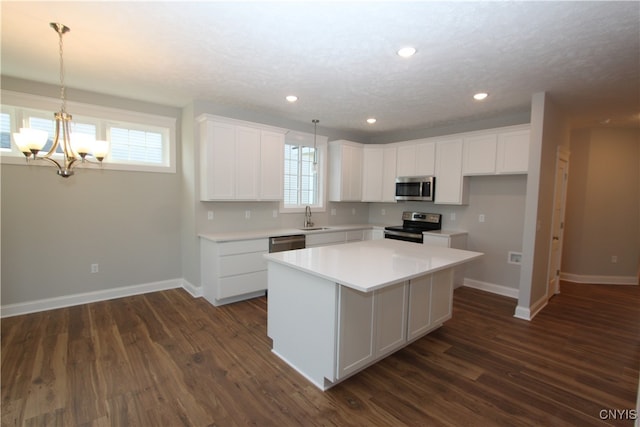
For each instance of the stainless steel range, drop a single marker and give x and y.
(413, 225)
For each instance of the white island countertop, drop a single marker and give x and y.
(372, 264)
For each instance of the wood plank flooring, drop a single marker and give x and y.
(167, 359)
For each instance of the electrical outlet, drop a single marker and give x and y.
(247, 214)
(333, 211)
(514, 258)
(481, 218)
(210, 215)
(353, 211)
(452, 216)
(94, 268)
(614, 259)
(383, 212)
(274, 213)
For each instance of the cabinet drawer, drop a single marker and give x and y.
(355, 235)
(242, 284)
(325, 238)
(243, 246)
(232, 265)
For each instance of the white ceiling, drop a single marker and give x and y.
(339, 57)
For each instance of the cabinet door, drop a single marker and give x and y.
(425, 158)
(271, 165)
(390, 318)
(372, 171)
(451, 187)
(247, 163)
(217, 166)
(479, 155)
(389, 174)
(354, 173)
(419, 306)
(356, 330)
(441, 296)
(406, 160)
(513, 152)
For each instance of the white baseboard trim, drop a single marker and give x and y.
(599, 280)
(88, 297)
(491, 287)
(528, 313)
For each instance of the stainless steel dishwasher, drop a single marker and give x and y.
(286, 243)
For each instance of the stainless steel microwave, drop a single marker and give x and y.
(420, 188)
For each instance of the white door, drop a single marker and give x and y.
(557, 226)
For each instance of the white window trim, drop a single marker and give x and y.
(306, 139)
(107, 116)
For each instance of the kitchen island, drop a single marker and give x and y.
(334, 310)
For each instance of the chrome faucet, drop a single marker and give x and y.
(307, 217)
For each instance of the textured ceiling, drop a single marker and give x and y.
(339, 57)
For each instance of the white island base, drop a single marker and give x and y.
(328, 324)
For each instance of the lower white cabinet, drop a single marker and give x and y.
(455, 240)
(334, 238)
(233, 271)
(371, 325)
(430, 302)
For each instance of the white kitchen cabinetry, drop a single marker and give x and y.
(416, 158)
(451, 187)
(345, 179)
(379, 173)
(373, 234)
(446, 239)
(233, 271)
(513, 152)
(371, 325)
(240, 160)
(479, 155)
(430, 302)
(313, 240)
(502, 151)
(271, 165)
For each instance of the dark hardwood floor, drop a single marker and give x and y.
(167, 359)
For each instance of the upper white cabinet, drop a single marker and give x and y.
(345, 165)
(240, 160)
(451, 187)
(501, 151)
(271, 165)
(416, 158)
(379, 173)
(513, 152)
(479, 155)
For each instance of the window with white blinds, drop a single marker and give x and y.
(300, 181)
(137, 141)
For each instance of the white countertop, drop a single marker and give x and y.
(263, 234)
(372, 264)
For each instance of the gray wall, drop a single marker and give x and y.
(53, 229)
(603, 203)
(501, 199)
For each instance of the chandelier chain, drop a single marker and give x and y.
(63, 97)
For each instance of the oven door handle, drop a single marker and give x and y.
(403, 234)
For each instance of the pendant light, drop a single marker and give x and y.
(31, 141)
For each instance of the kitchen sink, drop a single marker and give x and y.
(315, 228)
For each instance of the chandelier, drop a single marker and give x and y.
(74, 148)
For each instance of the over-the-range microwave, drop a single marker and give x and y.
(421, 188)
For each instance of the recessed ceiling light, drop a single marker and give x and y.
(371, 120)
(407, 52)
(480, 96)
(291, 98)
